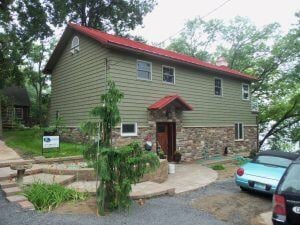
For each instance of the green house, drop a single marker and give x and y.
(177, 102)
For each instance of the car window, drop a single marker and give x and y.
(273, 160)
(291, 182)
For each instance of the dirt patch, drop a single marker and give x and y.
(83, 207)
(228, 172)
(238, 208)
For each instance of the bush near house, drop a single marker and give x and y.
(28, 142)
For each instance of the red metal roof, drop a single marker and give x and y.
(120, 42)
(180, 103)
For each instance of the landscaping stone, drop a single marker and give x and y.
(150, 189)
(16, 198)
(11, 191)
(49, 179)
(26, 205)
(7, 184)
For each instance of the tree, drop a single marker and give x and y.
(265, 53)
(116, 168)
(21, 23)
(197, 38)
(35, 62)
(117, 16)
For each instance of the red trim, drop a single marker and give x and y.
(160, 104)
(116, 41)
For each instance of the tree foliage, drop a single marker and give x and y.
(116, 168)
(266, 53)
(117, 16)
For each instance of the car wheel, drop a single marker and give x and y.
(243, 188)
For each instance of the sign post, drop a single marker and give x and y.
(50, 142)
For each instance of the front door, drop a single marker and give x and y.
(166, 138)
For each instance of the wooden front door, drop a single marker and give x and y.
(166, 138)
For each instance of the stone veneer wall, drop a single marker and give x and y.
(193, 142)
(197, 142)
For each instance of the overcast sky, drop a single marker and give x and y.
(169, 16)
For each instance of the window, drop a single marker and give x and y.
(218, 87)
(75, 44)
(245, 91)
(168, 74)
(128, 129)
(144, 70)
(19, 113)
(291, 182)
(273, 160)
(239, 131)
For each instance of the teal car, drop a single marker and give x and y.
(264, 172)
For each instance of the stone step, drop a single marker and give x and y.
(150, 189)
(7, 174)
(7, 184)
(49, 179)
(16, 198)
(11, 191)
(26, 205)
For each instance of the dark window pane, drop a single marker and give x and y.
(236, 130)
(218, 87)
(168, 78)
(240, 131)
(128, 128)
(168, 75)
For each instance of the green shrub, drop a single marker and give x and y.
(218, 167)
(49, 196)
(240, 160)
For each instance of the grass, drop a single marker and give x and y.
(218, 167)
(28, 143)
(46, 197)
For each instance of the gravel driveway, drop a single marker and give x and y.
(163, 210)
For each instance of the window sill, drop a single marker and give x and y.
(167, 83)
(129, 135)
(141, 79)
(239, 140)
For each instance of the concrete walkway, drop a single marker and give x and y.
(7, 153)
(188, 177)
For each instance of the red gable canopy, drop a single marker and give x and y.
(176, 100)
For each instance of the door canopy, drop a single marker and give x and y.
(171, 100)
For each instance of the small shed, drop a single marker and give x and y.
(16, 107)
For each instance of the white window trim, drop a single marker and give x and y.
(162, 77)
(246, 99)
(129, 134)
(137, 70)
(243, 130)
(75, 48)
(221, 86)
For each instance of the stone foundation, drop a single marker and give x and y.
(199, 142)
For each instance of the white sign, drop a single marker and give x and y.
(50, 141)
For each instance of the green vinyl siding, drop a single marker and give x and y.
(77, 81)
(195, 86)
